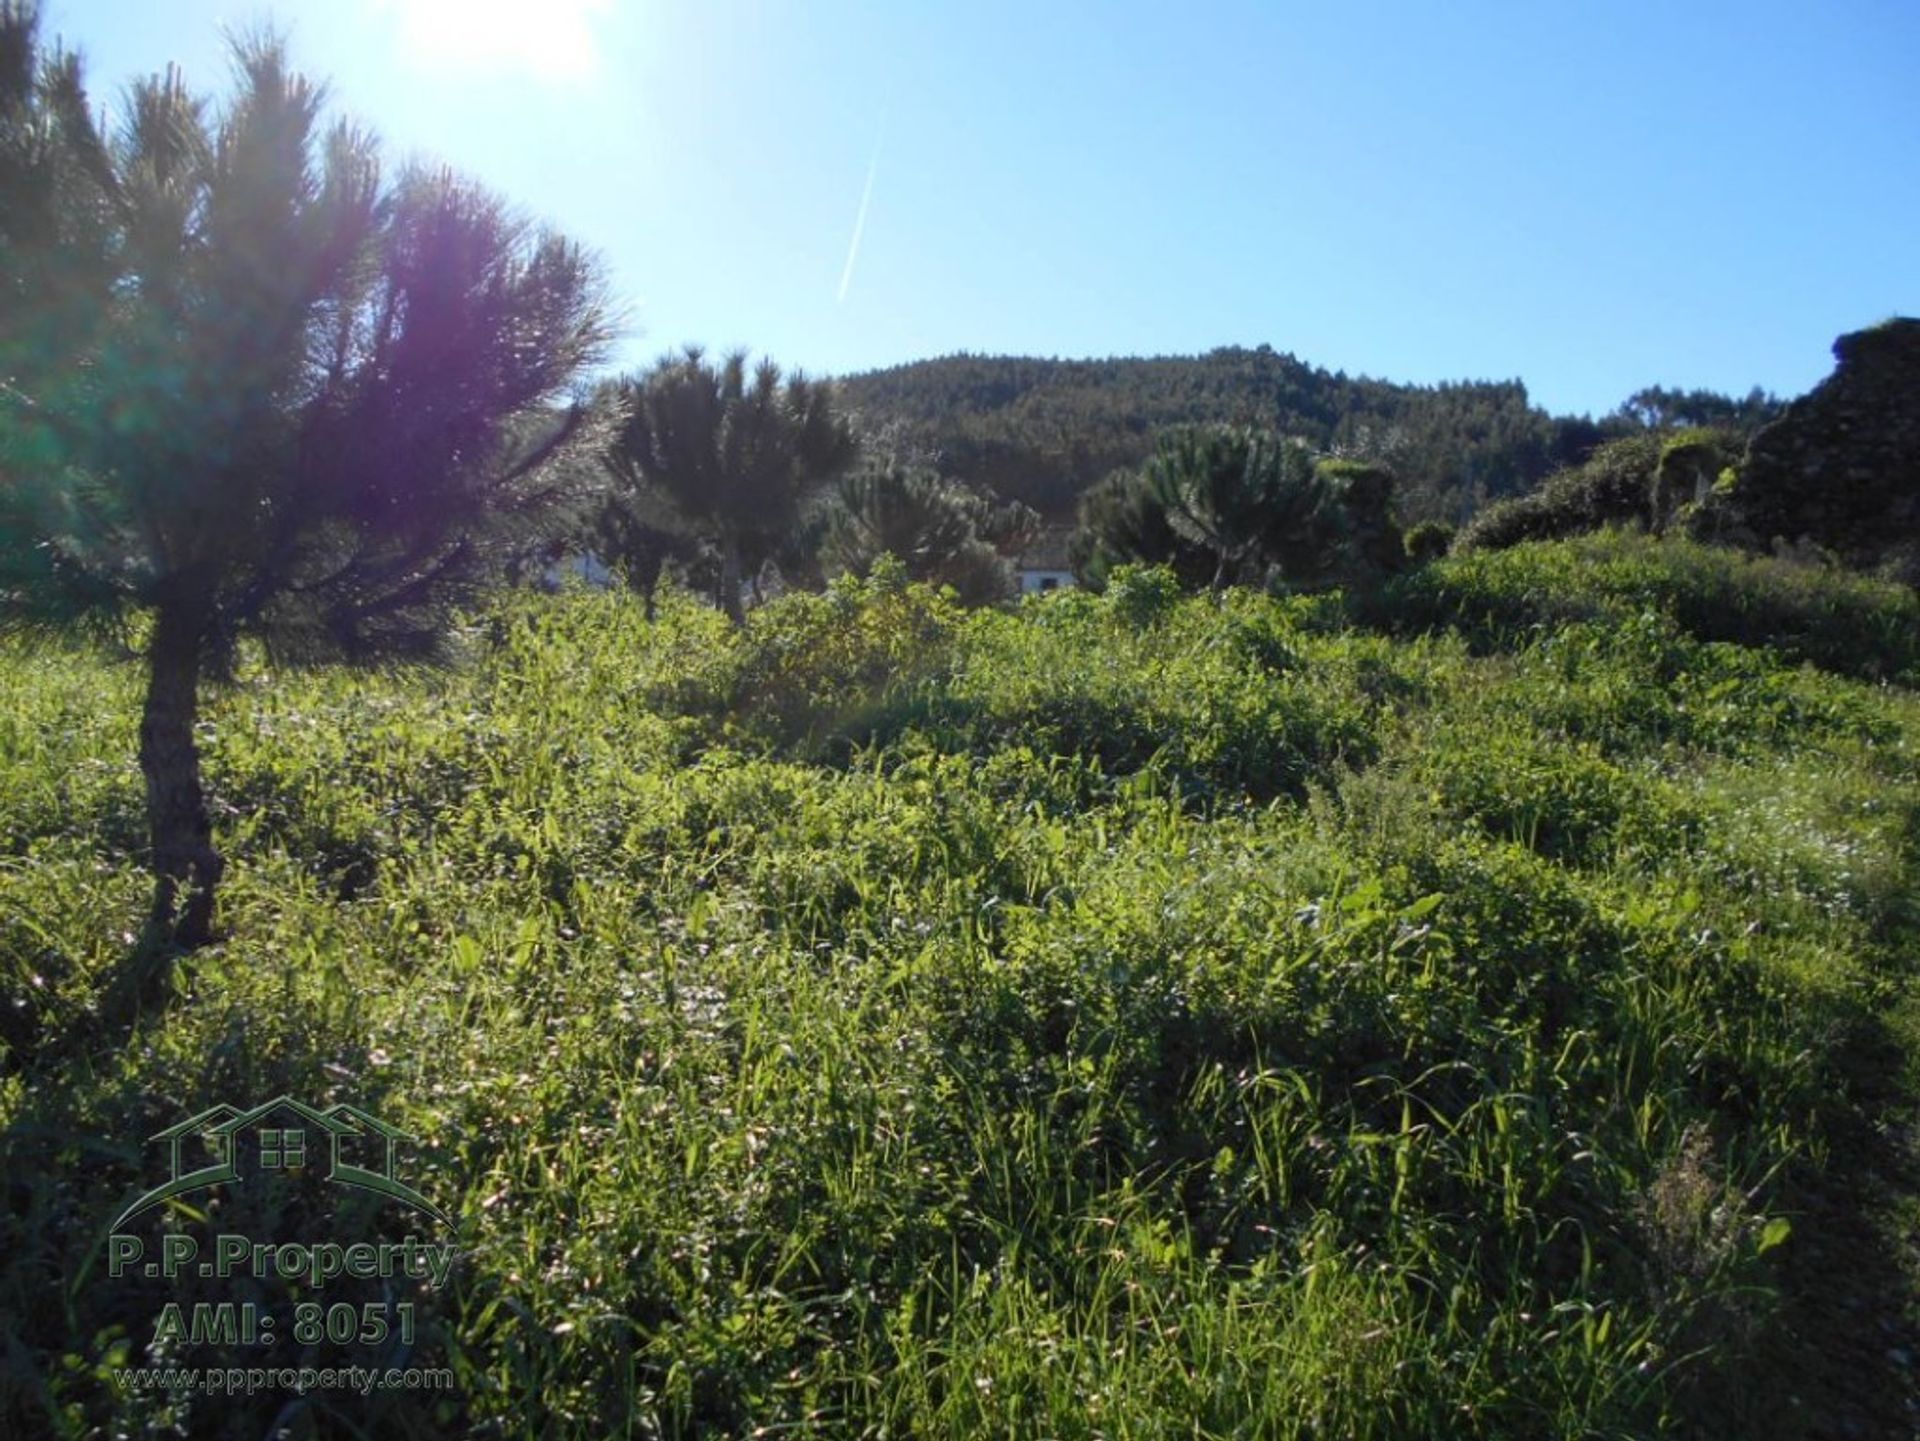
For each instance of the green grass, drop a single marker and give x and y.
(1836, 619)
(1132, 1016)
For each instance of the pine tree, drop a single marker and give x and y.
(251, 385)
(737, 453)
(943, 532)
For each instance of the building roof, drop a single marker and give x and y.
(1051, 550)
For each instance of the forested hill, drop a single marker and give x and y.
(1043, 430)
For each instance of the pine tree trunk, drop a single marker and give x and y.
(180, 830)
(730, 599)
(645, 576)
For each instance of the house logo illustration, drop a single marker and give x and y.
(224, 1144)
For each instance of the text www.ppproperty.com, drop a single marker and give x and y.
(246, 1380)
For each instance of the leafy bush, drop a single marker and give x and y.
(1141, 595)
(1427, 541)
(1613, 487)
(1640, 480)
(1843, 622)
(814, 662)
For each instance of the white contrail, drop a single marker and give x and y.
(860, 219)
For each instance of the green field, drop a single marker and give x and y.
(1486, 1011)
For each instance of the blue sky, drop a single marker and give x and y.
(1590, 196)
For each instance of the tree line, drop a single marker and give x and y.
(1046, 432)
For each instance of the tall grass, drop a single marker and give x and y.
(1131, 1016)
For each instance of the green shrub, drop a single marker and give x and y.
(1429, 540)
(1142, 595)
(814, 663)
(1843, 622)
(1613, 487)
(1640, 481)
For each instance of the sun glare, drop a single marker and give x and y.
(553, 40)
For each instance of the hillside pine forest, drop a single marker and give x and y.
(1421, 939)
